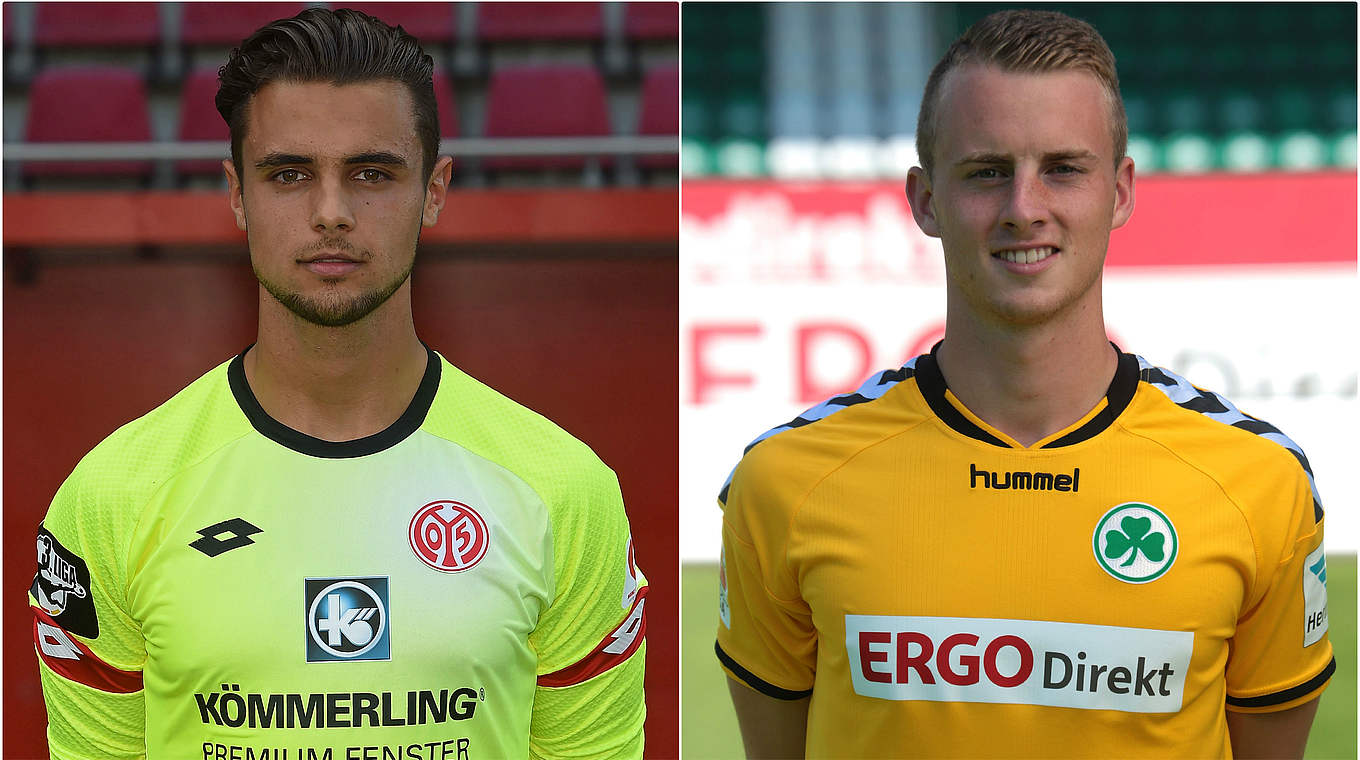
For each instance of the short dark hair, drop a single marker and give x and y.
(1032, 42)
(341, 46)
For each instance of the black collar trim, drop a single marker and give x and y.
(931, 383)
(1117, 398)
(409, 421)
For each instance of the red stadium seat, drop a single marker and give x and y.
(661, 101)
(505, 22)
(105, 24)
(229, 23)
(199, 120)
(431, 23)
(660, 111)
(446, 104)
(545, 101)
(87, 104)
(652, 21)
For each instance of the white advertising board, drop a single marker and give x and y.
(793, 294)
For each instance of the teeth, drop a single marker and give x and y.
(1027, 256)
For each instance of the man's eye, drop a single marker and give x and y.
(372, 175)
(986, 174)
(1066, 169)
(288, 176)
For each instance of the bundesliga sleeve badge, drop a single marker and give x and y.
(62, 587)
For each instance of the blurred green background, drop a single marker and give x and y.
(1241, 87)
(709, 729)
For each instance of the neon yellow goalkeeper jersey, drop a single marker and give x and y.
(939, 590)
(213, 584)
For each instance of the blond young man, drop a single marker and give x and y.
(1026, 542)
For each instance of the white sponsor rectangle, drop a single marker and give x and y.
(724, 611)
(1314, 597)
(1032, 662)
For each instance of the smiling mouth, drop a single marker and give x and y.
(1026, 255)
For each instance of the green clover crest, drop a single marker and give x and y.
(1133, 539)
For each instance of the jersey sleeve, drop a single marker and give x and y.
(766, 639)
(1280, 655)
(588, 702)
(90, 650)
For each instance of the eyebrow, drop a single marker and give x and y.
(380, 157)
(984, 157)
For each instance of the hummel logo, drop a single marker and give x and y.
(212, 543)
(1024, 481)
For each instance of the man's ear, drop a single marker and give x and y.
(234, 197)
(920, 196)
(1123, 193)
(437, 191)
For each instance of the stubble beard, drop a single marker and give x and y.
(333, 308)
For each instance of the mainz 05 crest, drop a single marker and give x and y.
(62, 587)
(449, 536)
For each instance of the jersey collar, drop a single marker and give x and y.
(409, 421)
(932, 386)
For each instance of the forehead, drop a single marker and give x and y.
(984, 108)
(323, 119)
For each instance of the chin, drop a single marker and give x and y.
(1029, 312)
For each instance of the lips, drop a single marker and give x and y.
(330, 257)
(331, 262)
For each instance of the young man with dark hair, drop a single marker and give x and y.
(1025, 543)
(337, 544)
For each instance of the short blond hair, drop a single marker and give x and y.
(1025, 41)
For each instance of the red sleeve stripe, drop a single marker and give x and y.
(74, 661)
(616, 648)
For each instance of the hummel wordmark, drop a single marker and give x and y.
(1024, 481)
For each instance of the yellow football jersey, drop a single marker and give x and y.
(941, 591)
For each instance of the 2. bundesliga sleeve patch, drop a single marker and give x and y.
(62, 587)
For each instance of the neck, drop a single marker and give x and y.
(1029, 381)
(336, 383)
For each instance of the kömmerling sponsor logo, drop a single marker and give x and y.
(232, 707)
(1024, 481)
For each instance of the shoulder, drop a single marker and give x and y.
(96, 510)
(799, 452)
(1207, 429)
(142, 454)
(478, 418)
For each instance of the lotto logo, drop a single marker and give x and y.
(347, 619)
(1092, 667)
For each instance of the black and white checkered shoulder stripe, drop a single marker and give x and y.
(873, 388)
(1215, 407)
